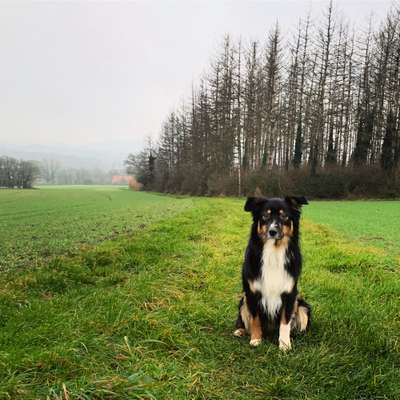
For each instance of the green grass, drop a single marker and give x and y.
(58, 220)
(149, 315)
(372, 223)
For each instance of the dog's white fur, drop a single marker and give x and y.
(274, 280)
(284, 336)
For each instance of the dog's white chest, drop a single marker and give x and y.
(274, 280)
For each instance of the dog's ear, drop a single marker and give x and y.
(296, 201)
(253, 203)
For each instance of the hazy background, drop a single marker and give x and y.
(86, 82)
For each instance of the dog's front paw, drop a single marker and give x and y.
(284, 346)
(255, 342)
(239, 332)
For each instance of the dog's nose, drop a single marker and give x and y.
(273, 232)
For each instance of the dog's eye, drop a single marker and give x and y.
(264, 218)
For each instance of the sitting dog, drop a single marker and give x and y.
(271, 269)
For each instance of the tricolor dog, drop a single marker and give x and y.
(271, 269)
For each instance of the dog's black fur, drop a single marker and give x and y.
(276, 222)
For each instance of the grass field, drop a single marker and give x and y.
(59, 220)
(148, 314)
(372, 223)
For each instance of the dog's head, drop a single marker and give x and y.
(275, 218)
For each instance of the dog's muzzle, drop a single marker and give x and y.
(274, 232)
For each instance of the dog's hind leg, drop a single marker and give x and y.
(242, 322)
(302, 316)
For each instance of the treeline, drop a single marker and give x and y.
(317, 114)
(17, 173)
(23, 174)
(53, 172)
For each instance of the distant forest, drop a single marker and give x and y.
(317, 113)
(24, 174)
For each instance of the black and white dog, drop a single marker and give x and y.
(271, 269)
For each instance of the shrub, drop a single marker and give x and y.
(328, 183)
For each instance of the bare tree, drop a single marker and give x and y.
(328, 98)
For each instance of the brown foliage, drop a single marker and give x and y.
(134, 184)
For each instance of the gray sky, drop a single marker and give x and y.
(107, 73)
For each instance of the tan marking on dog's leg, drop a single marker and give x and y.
(294, 324)
(302, 318)
(255, 331)
(284, 333)
(245, 315)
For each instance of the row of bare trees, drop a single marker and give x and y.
(17, 173)
(326, 99)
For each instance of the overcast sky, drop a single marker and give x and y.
(84, 72)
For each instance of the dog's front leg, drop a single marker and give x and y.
(286, 318)
(255, 330)
(284, 335)
(254, 320)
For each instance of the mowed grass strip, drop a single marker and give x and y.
(41, 223)
(151, 317)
